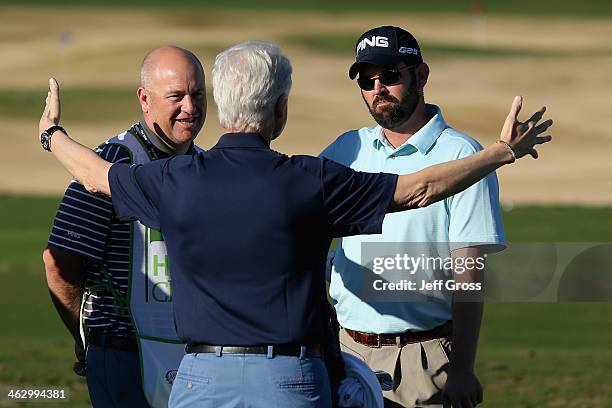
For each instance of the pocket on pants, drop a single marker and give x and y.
(192, 379)
(194, 371)
(298, 374)
(305, 386)
(300, 384)
(192, 386)
(436, 369)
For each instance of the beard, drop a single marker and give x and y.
(397, 112)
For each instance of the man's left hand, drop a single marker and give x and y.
(462, 390)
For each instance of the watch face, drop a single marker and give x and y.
(44, 141)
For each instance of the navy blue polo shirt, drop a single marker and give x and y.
(248, 230)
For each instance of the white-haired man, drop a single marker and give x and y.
(249, 229)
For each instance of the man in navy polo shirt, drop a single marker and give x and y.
(249, 230)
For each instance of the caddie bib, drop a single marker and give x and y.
(150, 292)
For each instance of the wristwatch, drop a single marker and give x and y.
(45, 137)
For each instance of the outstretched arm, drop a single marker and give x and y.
(84, 165)
(438, 182)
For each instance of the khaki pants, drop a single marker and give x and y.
(419, 370)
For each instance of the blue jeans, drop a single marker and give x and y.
(113, 378)
(251, 380)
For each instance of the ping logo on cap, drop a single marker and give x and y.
(375, 41)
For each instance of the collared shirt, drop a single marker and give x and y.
(247, 230)
(469, 218)
(86, 225)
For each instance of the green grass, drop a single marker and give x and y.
(558, 224)
(518, 7)
(549, 354)
(546, 355)
(79, 105)
(530, 355)
(34, 348)
(102, 105)
(344, 45)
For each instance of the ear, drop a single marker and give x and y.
(422, 75)
(280, 116)
(143, 98)
(280, 109)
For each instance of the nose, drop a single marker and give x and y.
(379, 87)
(188, 105)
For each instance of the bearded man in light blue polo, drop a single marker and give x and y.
(425, 338)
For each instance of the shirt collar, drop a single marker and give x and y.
(244, 140)
(152, 138)
(422, 140)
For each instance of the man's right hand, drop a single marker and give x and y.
(522, 137)
(79, 367)
(66, 279)
(462, 390)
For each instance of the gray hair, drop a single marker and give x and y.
(248, 79)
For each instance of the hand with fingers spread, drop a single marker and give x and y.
(52, 112)
(522, 137)
(437, 182)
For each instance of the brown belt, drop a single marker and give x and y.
(400, 339)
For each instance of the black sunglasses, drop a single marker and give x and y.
(387, 78)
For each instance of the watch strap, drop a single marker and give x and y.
(45, 137)
(54, 129)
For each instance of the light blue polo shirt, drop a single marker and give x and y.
(469, 218)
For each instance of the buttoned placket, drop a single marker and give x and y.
(391, 153)
(389, 162)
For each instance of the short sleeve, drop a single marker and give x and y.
(355, 202)
(136, 191)
(475, 216)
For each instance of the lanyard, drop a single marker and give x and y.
(138, 131)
